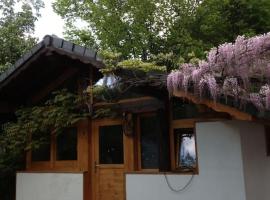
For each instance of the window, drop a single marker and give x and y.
(66, 144)
(111, 147)
(65, 151)
(184, 158)
(43, 151)
(185, 149)
(148, 136)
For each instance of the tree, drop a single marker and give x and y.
(16, 27)
(222, 21)
(136, 29)
(17, 18)
(140, 28)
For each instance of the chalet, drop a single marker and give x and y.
(159, 148)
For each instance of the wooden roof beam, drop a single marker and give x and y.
(218, 107)
(54, 84)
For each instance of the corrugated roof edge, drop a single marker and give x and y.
(52, 42)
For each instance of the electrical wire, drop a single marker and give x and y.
(180, 189)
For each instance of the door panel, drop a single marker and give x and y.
(111, 184)
(109, 162)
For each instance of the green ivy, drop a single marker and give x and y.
(63, 110)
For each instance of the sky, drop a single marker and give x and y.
(49, 23)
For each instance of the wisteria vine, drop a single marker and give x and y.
(240, 70)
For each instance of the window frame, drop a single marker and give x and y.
(138, 143)
(178, 124)
(81, 164)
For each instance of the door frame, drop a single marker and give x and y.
(128, 152)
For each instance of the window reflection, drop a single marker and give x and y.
(66, 144)
(149, 142)
(111, 145)
(185, 148)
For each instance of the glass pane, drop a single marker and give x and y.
(111, 145)
(43, 152)
(66, 145)
(149, 142)
(186, 148)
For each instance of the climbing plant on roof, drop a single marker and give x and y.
(240, 70)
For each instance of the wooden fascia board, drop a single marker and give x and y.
(218, 107)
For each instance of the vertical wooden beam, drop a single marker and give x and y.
(83, 145)
(129, 153)
(53, 151)
(86, 183)
(28, 160)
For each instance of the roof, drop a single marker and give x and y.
(48, 65)
(85, 55)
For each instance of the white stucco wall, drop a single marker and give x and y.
(256, 163)
(220, 170)
(49, 186)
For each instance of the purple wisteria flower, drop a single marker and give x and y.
(234, 69)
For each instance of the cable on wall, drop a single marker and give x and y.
(178, 189)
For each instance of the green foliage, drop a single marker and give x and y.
(16, 28)
(111, 60)
(222, 21)
(138, 65)
(136, 29)
(139, 29)
(63, 110)
(103, 93)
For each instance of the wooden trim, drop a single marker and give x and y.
(138, 144)
(183, 123)
(40, 165)
(86, 192)
(28, 159)
(95, 153)
(51, 171)
(82, 145)
(90, 158)
(218, 107)
(107, 121)
(53, 150)
(125, 186)
(131, 100)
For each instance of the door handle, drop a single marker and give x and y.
(96, 166)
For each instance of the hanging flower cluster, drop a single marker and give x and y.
(240, 70)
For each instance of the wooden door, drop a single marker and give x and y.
(110, 148)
